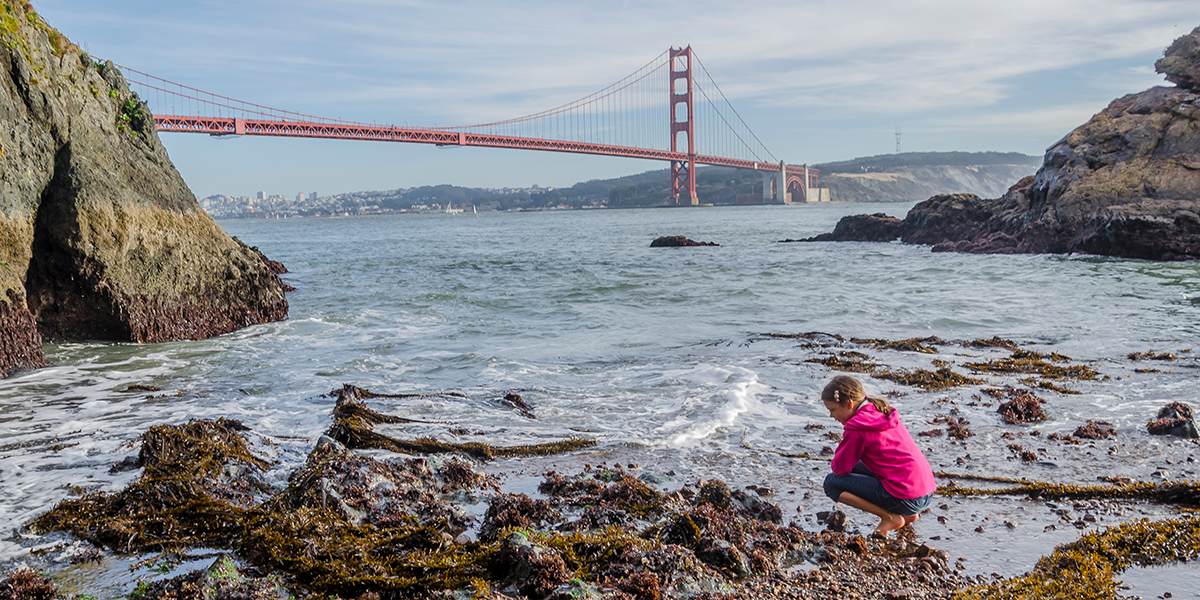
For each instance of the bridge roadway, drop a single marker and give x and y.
(234, 126)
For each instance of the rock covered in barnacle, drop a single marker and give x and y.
(365, 490)
(1174, 419)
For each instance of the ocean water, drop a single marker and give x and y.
(660, 354)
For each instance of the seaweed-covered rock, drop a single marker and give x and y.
(674, 241)
(363, 490)
(1022, 406)
(1174, 419)
(607, 497)
(220, 581)
(666, 569)
(534, 570)
(199, 480)
(27, 584)
(100, 238)
(1095, 430)
(515, 511)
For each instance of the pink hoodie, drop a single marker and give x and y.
(883, 444)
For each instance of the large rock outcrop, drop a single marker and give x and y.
(100, 239)
(1126, 183)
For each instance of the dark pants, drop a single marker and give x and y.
(861, 482)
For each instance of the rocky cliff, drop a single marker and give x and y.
(912, 184)
(1126, 183)
(100, 239)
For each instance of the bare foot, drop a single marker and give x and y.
(910, 519)
(890, 522)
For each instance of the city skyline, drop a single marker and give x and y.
(816, 82)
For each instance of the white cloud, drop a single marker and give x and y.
(779, 61)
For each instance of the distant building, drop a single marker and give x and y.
(312, 196)
(300, 197)
(262, 195)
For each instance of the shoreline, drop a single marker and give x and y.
(631, 467)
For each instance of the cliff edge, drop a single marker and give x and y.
(912, 184)
(1126, 183)
(100, 238)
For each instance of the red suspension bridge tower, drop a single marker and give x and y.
(683, 173)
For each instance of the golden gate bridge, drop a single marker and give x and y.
(624, 119)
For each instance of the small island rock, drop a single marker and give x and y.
(671, 241)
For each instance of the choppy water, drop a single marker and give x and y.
(655, 352)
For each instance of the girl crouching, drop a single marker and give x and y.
(877, 467)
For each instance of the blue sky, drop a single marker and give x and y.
(816, 81)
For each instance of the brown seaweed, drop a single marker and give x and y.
(1085, 569)
(848, 361)
(1028, 362)
(929, 380)
(353, 426)
(993, 342)
(922, 345)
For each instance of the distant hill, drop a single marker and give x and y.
(905, 177)
(915, 176)
(890, 162)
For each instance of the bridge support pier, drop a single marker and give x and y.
(775, 186)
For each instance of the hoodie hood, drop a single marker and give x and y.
(868, 418)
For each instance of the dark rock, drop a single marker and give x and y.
(100, 238)
(945, 218)
(862, 228)
(20, 342)
(724, 556)
(1174, 419)
(671, 241)
(836, 521)
(514, 400)
(757, 508)
(1176, 410)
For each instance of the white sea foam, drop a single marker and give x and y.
(737, 387)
